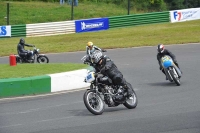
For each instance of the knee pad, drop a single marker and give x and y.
(118, 79)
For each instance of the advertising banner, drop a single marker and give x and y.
(91, 25)
(185, 15)
(5, 31)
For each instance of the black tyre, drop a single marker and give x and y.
(132, 101)
(18, 59)
(93, 102)
(42, 59)
(175, 77)
(32, 59)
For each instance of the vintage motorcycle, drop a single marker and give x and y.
(172, 72)
(41, 58)
(100, 94)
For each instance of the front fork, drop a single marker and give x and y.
(174, 71)
(95, 89)
(168, 74)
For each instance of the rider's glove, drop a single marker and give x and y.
(99, 77)
(103, 50)
(175, 61)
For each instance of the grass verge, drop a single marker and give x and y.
(27, 70)
(146, 35)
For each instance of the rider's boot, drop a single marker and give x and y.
(129, 92)
(165, 74)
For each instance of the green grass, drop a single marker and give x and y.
(35, 12)
(39, 12)
(27, 70)
(146, 35)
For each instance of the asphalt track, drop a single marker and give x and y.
(163, 107)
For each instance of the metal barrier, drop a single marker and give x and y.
(68, 27)
(138, 19)
(47, 29)
(18, 30)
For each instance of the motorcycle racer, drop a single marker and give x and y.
(21, 51)
(90, 48)
(107, 67)
(161, 52)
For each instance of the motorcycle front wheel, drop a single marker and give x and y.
(42, 59)
(93, 102)
(175, 77)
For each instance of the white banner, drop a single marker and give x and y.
(185, 15)
(5, 31)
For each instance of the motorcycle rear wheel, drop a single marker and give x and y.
(175, 77)
(93, 102)
(18, 59)
(132, 101)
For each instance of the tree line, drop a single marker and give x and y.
(143, 5)
(158, 5)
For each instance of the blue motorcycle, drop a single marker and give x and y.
(172, 72)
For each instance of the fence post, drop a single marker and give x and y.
(72, 10)
(128, 7)
(8, 13)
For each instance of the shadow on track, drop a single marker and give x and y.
(163, 84)
(85, 112)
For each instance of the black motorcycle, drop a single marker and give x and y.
(41, 58)
(100, 94)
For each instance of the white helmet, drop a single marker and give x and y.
(160, 48)
(96, 56)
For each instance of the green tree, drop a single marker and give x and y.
(175, 4)
(192, 3)
(159, 5)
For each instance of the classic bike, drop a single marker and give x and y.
(172, 72)
(100, 93)
(41, 58)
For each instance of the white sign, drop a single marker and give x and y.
(91, 25)
(5, 31)
(185, 15)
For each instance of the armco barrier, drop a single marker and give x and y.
(47, 29)
(138, 19)
(18, 30)
(25, 86)
(68, 27)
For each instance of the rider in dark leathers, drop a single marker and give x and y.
(161, 52)
(106, 66)
(21, 51)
